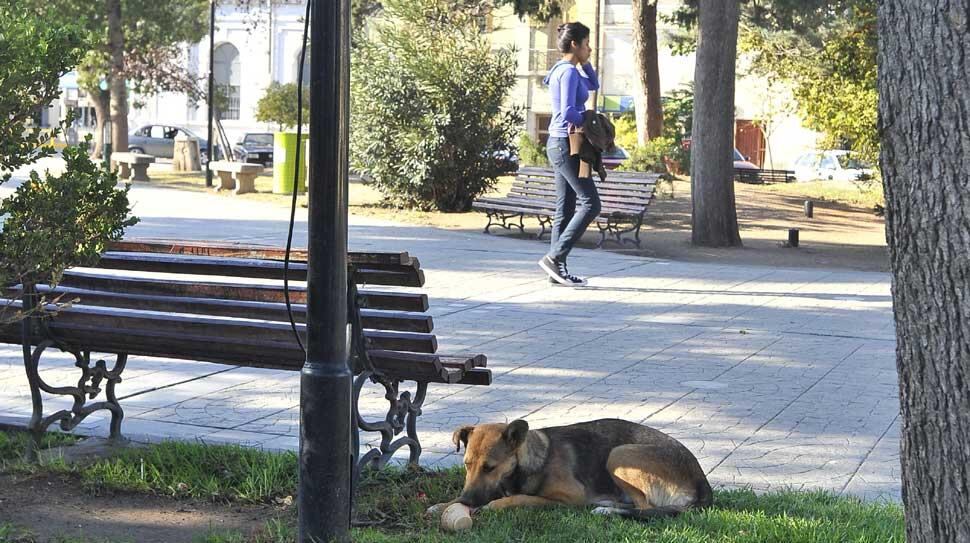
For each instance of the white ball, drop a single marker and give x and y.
(457, 517)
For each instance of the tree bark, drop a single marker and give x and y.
(714, 217)
(116, 78)
(649, 109)
(101, 101)
(924, 104)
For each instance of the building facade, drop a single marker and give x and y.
(767, 127)
(259, 45)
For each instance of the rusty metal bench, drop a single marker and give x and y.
(225, 304)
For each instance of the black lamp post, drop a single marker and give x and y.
(326, 452)
(210, 97)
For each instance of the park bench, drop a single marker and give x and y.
(132, 165)
(760, 177)
(625, 197)
(224, 303)
(237, 176)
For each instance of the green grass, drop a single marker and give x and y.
(391, 505)
(220, 473)
(15, 444)
(867, 195)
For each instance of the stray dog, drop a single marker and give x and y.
(624, 468)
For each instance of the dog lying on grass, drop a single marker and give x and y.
(620, 467)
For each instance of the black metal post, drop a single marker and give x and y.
(210, 97)
(326, 453)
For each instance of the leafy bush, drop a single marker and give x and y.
(626, 130)
(34, 55)
(278, 105)
(427, 106)
(531, 152)
(649, 157)
(62, 221)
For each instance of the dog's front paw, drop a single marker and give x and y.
(437, 509)
(606, 511)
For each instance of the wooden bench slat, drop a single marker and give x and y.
(635, 191)
(619, 201)
(405, 276)
(549, 207)
(241, 250)
(477, 377)
(401, 321)
(393, 301)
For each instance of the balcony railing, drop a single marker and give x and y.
(541, 60)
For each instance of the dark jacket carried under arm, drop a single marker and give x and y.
(599, 137)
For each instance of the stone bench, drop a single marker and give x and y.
(132, 166)
(236, 175)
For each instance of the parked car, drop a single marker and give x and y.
(159, 140)
(742, 162)
(832, 165)
(255, 147)
(613, 159)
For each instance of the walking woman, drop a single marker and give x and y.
(577, 202)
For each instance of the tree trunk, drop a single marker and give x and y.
(649, 109)
(116, 79)
(924, 104)
(715, 217)
(101, 103)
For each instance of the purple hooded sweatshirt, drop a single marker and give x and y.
(570, 90)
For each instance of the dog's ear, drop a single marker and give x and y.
(515, 433)
(461, 437)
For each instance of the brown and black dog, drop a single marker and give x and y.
(624, 468)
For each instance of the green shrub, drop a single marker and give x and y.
(278, 105)
(34, 54)
(649, 157)
(428, 116)
(626, 130)
(531, 152)
(62, 221)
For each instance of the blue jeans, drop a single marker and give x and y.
(577, 201)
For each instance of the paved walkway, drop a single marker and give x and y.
(773, 377)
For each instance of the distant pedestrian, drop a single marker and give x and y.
(577, 201)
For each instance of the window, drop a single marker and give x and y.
(542, 127)
(829, 163)
(157, 132)
(306, 69)
(226, 74)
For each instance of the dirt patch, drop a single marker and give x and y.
(50, 506)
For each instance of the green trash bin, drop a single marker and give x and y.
(284, 163)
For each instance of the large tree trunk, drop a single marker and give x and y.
(119, 92)
(101, 104)
(924, 104)
(715, 218)
(649, 109)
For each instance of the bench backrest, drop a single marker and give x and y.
(225, 303)
(622, 191)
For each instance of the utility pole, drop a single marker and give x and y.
(327, 455)
(210, 97)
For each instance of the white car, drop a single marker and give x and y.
(832, 166)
